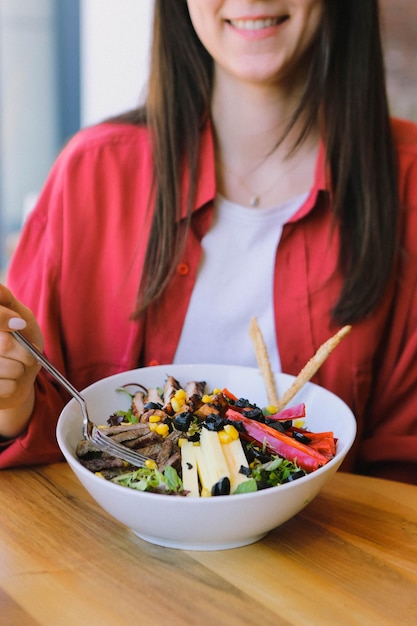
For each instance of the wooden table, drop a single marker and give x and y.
(349, 558)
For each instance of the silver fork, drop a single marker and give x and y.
(91, 432)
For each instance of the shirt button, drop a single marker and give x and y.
(183, 269)
(153, 362)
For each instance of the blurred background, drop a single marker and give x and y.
(66, 64)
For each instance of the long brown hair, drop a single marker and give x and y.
(345, 87)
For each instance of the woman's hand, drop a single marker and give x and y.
(18, 369)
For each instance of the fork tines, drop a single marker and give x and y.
(117, 449)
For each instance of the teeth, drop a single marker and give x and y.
(254, 24)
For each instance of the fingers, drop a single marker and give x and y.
(16, 382)
(12, 312)
(11, 373)
(18, 368)
(11, 351)
(14, 315)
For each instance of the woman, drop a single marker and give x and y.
(263, 177)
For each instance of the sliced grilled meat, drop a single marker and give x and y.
(138, 428)
(169, 447)
(153, 396)
(102, 463)
(171, 386)
(195, 391)
(138, 403)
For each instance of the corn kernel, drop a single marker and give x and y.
(99, 474)
(217, 390)
(152, 427)
(224, 437)
(231, 431)
(177, 405)
(153, 419)
(271, 409)
(150, 464)
(162, 429)
(207, 398)
(299, 423)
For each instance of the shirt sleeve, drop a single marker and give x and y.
(389, 443)
(33, 277)
(77, 267)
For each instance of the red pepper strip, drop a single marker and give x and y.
(322, 435)
(325, 447)
(290, 449)
(229, 394)
(291, 413)
(323, 442)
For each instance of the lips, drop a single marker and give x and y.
(258, 23)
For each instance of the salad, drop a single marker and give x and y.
(205, 444)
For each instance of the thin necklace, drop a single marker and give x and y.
(255, 198)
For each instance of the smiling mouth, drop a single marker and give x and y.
(257, 24)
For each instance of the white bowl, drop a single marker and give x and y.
(214, 523)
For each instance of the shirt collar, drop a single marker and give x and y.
(206, 179)
(319, 185)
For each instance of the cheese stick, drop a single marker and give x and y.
(263, 361)
(312, 366)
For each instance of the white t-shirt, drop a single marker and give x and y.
(235, 283)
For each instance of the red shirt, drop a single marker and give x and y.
(79, 262)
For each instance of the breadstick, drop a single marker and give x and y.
(263, 361)
(311, 367)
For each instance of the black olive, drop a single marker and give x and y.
(221, 488)
(301, 437)
(259, 455)
(182, 421)
(242, 402)
(294, 476)
(275, 424)
(210, 426)
(254, 413)
(152, 405)
(246, 471)
(249, 454)
(214, 421)
(238, 425)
